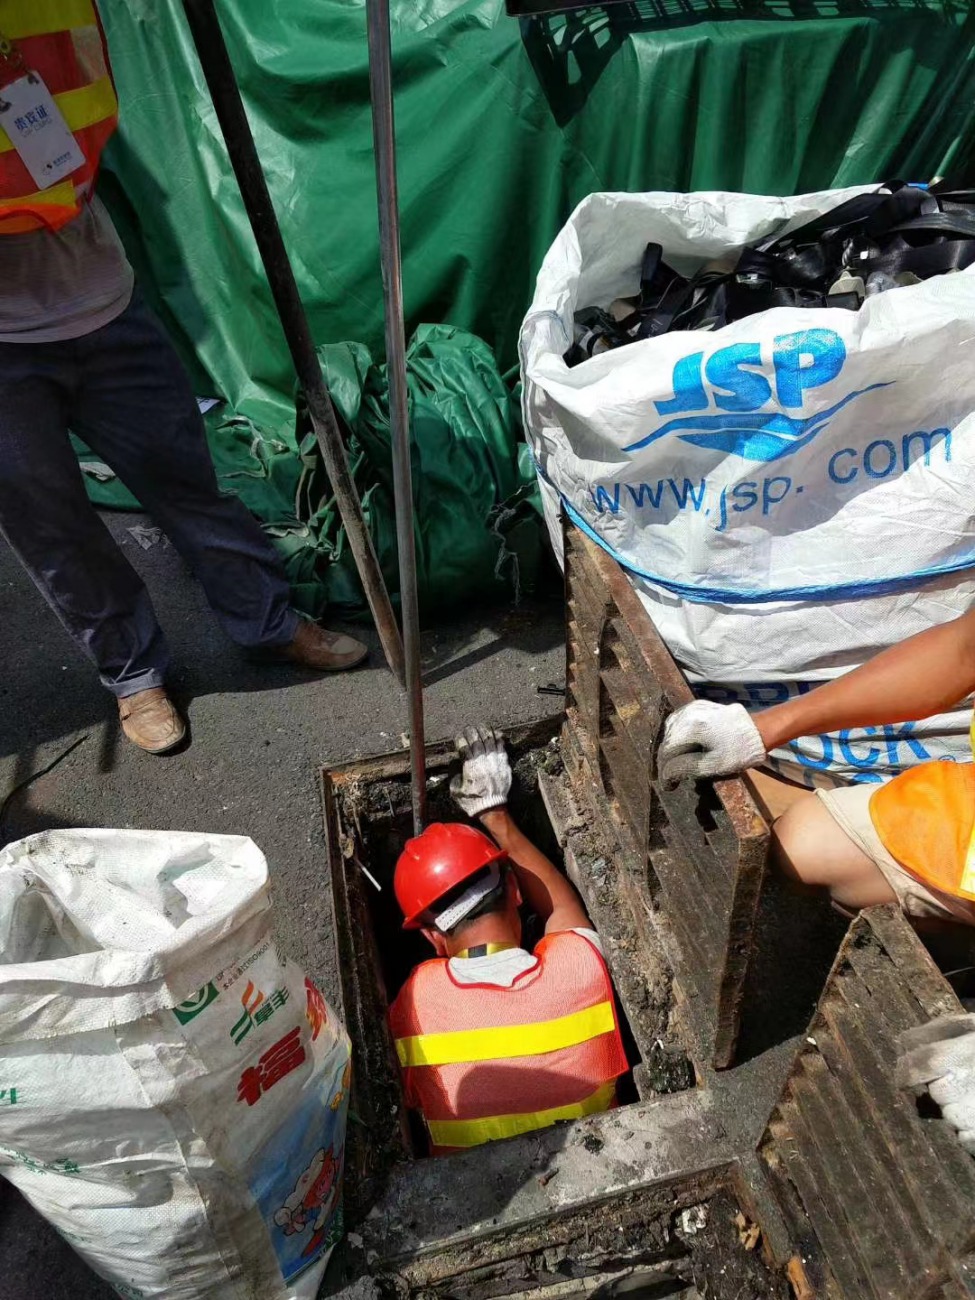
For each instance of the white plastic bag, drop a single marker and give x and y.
(173, 1094)
(789, 494)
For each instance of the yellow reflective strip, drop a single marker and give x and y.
(62, 195)
(967, 882)
(472, 1132)
(26, 18)
(465, 1045)
(81, 108)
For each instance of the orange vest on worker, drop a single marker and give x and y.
(62, 41)
(926, 820)
(482, 1062)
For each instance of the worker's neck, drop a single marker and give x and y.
(486, 929)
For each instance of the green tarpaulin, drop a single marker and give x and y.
(503, 126)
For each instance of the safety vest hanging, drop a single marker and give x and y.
(482, 1062)
(61, 41)
(926, 820)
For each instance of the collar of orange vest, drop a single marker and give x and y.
(484, 949)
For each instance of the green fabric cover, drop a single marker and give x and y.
(502, 127)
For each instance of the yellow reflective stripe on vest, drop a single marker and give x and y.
(498, 1044)
(81, 108)
(26, 18)
(62, 195)
(967, 882)
(472, 1132)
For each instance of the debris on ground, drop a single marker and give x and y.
(722, 1264)
(145, 536)
(749, 1233)
(693, 1220)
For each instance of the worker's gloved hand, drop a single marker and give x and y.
(939, 1058)
(485, 780)
(708, 739)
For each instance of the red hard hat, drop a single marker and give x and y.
(436, 862)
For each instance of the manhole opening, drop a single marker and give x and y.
(368, 820)
(378, 822)
(601, 1241)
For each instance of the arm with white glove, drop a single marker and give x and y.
(923, 675)
(485, 779)
(939, 1058)
(706, 739)
(482, 791)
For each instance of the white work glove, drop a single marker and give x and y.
(708, 739)
(939, 1058)
(485, 780)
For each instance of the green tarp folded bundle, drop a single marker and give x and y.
(502, 127)
(478, 513)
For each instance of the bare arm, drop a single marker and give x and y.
(543, 886)
(926, 674)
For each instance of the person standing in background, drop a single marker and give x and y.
(80, 350)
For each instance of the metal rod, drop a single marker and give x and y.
(225, 93)
(384, 141)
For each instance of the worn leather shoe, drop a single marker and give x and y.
(150, 720)
(328, 652)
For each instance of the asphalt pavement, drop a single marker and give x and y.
(260, 734)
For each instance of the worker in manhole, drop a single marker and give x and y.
(81, 350)
(494, 1040)
(910, 840)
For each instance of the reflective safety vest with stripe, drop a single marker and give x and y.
(62, 41)
(926, 820)
(482, 1062)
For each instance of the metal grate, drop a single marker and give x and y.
(881, 1200)
(697, 852)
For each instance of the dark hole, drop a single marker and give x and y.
(797, 935)
(927, 1108)
(952, 947)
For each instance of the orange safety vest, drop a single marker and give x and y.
(62, 41)
(926, 820)
(482, 1062)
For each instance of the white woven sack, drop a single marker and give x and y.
(791, 493)
(173, 1093)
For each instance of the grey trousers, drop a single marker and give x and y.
(124, 390)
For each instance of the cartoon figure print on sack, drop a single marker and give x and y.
(342, 1093)
(313, 1199)
(316, 1009)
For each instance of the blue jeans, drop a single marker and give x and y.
(123, 389)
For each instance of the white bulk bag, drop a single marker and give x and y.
(173, 1093)
(790, 493)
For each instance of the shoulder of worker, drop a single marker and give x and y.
(588, 936)
(402, 1005)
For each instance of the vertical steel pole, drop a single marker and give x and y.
(384, 140)
(225, 93)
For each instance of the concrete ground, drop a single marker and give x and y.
(259, 735)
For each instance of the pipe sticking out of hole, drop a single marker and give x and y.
(384, 142)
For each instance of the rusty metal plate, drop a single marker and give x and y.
(881, 1199)
(698, 853)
